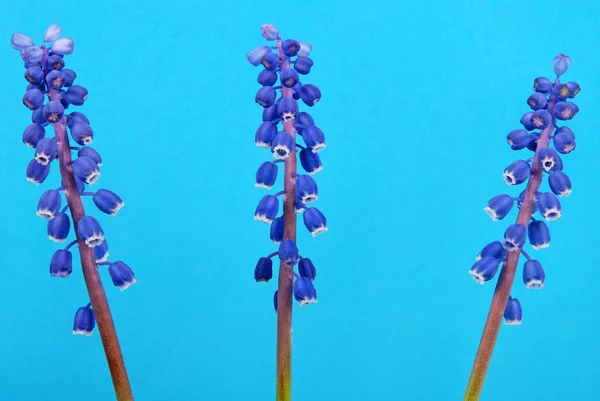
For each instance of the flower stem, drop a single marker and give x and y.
(283, 386)
(507, 274)
(104, 321)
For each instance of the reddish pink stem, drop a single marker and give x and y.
(507, 273)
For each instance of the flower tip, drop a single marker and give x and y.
(561, 64)
(52, 33)
(269, 31)
(63, 46)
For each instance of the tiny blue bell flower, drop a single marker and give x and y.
(310, 94)
(303, 65)
(267, 78)
(35, 75)
(37, 116)
(269, 32)
(61, 264)
(289, 77)
(534, 137)
(287, 108)
(33, 134)
(561, 64)
(37, 172)
(513, 312)
(290, 47)
(84, 321)
(276, 232)
(484, 269)
(76, 117)
(62, 46)
(574, 89)
(266, 175)
(306, 189)
(542, 85)
(541, 119)
(122, 276)
(310, 161)
(494, 249)
(560, 184)
(565, 110)
(303, 119)
(266, 96)
(537, 101)
(304, 291)
(517, 172)
(526, 121)
(314, 138)
(255, 56)
(518, 139)
(101, 252)
(263, 270)
(288, 252)
(19, 41)
(108, 202)
(533, 274)
(267, 209)
(52, 33)
(56, 79)
(270, 61)
(282, 145)
(91, 153)
(53, 111)
(275, 296)
(33, 54)
(549, 206)
(265, 134)
(82, 133)
(315, 221)
(514, 237)
(90, 231)
(86, 170)
(70, 76)
(49, 204)
(306, 269)
(59, 227)
(271, 113)
(499, 206)
(55, 62)
(548, 159)
(539, 234)
(564, 140)
(296, 90)
(46, 150)
(560, 92)
(33, 99)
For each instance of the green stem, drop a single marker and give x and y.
(507, 274)
(283, 386)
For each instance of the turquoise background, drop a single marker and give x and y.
(418, 97)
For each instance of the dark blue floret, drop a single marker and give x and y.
(59, 227)
(34, 75)
(290, 47)
(61, 264)
(288, 252)
(33, 134)
(276, 232)
(289, 77)
(263, 270)
(303, 65)
(306, 268)
(84, 321)
(56, 79)
(265, 134)
(265, 96)
(33, 99)
(267, 78)
(76, 95)
(513, 313)
(122, 276)
(304, 291)
(270, 61)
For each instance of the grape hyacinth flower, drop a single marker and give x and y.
(51, 91)
(285, 61)
(551, 104)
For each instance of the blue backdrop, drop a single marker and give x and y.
(418, 97)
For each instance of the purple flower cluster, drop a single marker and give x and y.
(550, 103)
(50, 91)
(286, 62)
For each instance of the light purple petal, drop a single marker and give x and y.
(33, 54)
(52, 33)
(20, 42)
(305, 48)
(255, 56)
(63, 46)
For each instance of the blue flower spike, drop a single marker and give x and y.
(51, 89)
(289, 133)
(548, 140)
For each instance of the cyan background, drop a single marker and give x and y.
(417, 99)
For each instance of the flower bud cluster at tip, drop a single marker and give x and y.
(279, 95)
(550, 103)
(50, 91)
